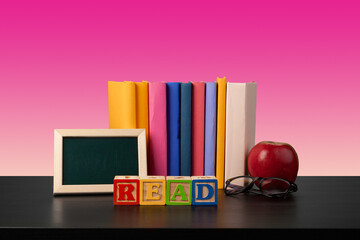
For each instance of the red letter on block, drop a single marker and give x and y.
(126, 190)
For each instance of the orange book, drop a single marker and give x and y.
(142, 106)
(122, 104)
(128, 105)
(220, 131)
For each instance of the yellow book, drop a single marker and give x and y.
(142, 106)
(220, 123)
(128, 104)
(122, 104)
(114, 91)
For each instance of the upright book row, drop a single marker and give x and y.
(193, 129)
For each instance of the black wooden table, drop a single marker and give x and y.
(28, 208)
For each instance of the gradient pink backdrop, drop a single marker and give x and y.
(57, 56)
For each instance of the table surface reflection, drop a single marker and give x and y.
(321, 202)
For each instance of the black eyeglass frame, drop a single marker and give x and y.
(292, 187)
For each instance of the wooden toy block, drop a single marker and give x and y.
(126, 190)
(152, 190)
(204, 190)
(178, 190)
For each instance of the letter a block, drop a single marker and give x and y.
(204, 190)
(152, 190)
(178, 190)
(126, 190)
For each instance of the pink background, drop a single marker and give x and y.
(57, 56)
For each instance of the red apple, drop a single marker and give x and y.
(273, 159)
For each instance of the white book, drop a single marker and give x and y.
(240, 126)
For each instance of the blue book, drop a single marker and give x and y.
(185, 129)
(210, 128)
(173, 128)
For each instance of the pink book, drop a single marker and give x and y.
(157, 129)
(197, 129)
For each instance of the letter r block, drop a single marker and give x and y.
(126, 190)
(204, 190)
(178, 190)
(152, 190)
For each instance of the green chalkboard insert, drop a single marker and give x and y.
(96, 160)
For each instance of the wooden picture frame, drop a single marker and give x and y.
(59, 134)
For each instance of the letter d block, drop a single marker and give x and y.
(152, 190)
(126, 190)
(204, 190)
(178, 190)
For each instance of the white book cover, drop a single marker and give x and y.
(240, 126)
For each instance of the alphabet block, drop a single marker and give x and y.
(126, 190)
(152, 190)
(178, 190)
(204, 190)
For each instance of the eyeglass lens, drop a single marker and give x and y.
(274, 186)
(268, 186)
(242, 181)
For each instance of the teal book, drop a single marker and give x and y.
(185, 129)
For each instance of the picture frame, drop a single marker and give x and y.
(76, 175)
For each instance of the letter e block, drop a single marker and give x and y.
(204, 190)
(152, 190)
(126, 190)
(178, 190)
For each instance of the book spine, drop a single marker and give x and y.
(157, 129)
(185, 129)
(128, 104)
(142, 106)
(173, 128)
(210, 129)
(197, 121)
(122, 104)
(240, 127)
(114, 101)
(220, 131)
(250, 111)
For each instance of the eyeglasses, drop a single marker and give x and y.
(268, 186)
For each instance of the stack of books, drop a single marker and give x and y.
(193, 128)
